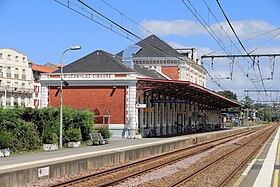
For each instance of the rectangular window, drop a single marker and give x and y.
(16, 73)
(1, 73)
(8, 85)
(1, 55)
(9, 75)
(23, 74)
(23, 59)
(17, 58)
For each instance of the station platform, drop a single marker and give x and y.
(22, 169)
(263, 171)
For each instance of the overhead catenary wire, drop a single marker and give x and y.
(122, 14)
(212, 33)
(246, 40)
(212, 79)
(240, 41)
(112, 24)
(265, 42)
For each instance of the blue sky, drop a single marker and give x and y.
(44, 29)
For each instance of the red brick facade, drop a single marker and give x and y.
(170, 71)
(91, 98)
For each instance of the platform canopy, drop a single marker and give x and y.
(187, 91)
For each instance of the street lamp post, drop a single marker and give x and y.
(5, 87)
(60, 100)
(5, 94)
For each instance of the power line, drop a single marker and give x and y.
(243, 41)
(239, 40)
(264, 42)
(232, 27)
(212, 33)
(122, 14)
(112, 24)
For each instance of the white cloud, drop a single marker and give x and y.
(179, 27)
(244, 29)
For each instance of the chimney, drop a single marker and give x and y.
(194, 54)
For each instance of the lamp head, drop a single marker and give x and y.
(77, 47)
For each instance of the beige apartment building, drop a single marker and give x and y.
(16, 84)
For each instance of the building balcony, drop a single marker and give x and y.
(16, 90)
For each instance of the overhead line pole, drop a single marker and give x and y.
(261, 90)
(241, 55)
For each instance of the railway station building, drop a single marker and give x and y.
(149, 87)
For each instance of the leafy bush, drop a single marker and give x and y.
(29, 127)
(49, 136)
(73, 135)
(6, 139)
(105, 132)
(26, 137)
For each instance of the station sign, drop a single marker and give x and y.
(170, 101)
(45, 171)
(89, 76)
(141, 105)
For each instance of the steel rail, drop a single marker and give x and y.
(243, 163)
(204, 168)
(192, 150)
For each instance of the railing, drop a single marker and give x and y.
(16, 89)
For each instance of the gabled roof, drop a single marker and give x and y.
(41, 69)
(153, 46)
(97, 61)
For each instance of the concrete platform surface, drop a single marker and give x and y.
(263, 171)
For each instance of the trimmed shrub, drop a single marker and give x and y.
(49, 134)
(73, 135)
(105, 132)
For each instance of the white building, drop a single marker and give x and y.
(16, 84)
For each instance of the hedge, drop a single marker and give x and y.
(29, 128)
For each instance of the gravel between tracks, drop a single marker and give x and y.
(156, 176)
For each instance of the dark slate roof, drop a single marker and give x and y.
(148, 72)
(97, 61)
(153, 46)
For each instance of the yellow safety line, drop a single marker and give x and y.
(276, 171)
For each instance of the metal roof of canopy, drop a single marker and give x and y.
(186, 90)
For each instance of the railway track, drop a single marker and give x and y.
(116, 175)
(198, 177)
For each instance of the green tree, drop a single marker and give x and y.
(228, 94)
(247, 102)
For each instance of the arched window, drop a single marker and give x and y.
(106, 116)
(98, 119)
